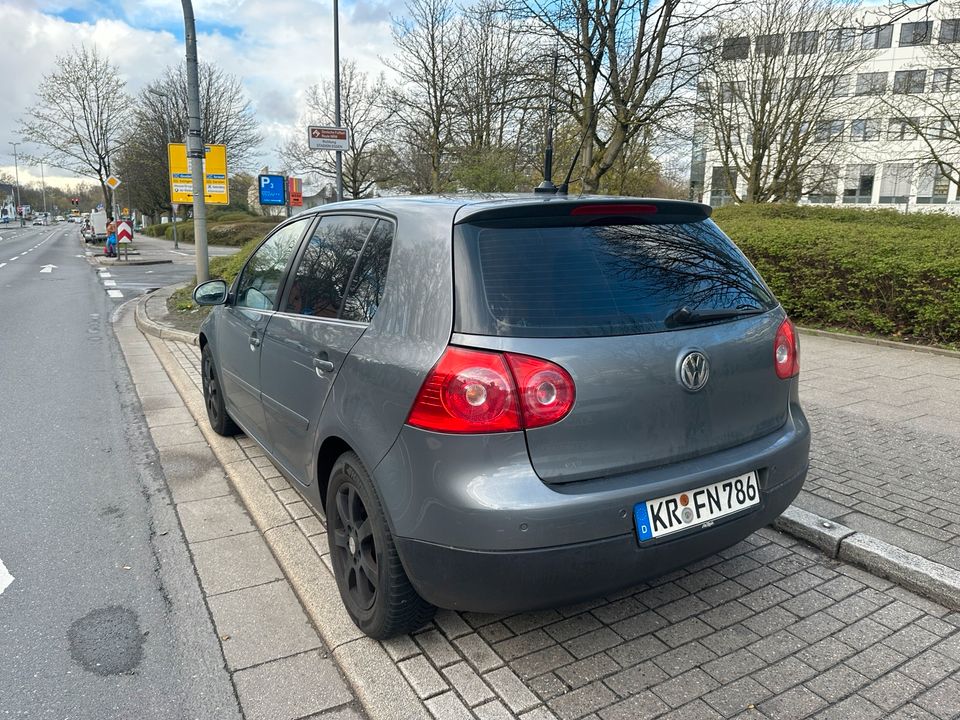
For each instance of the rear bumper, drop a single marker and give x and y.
(506, 582)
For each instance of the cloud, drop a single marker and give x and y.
(277, 49)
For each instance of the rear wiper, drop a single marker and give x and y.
(686, 316)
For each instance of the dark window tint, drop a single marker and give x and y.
(906, 82)
(949, 31)
(260, 281)
(916, 33)
(370, 276)
(876, 38)
(597, 279)
(871, 83)
(804, 43)
(770, 45)
(324, 270)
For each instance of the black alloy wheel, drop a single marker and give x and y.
(220, 421)
(373, 585)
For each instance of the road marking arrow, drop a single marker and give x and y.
(47, 268)
(5, 577)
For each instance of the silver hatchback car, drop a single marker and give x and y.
(513, 403)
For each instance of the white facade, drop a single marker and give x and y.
(880, 162)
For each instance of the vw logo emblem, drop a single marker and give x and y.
(694, 371)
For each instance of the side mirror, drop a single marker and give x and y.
(212, 292)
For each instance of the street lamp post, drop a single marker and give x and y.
(336, 92)
(166, 134)
(195, 144)
(16, 166)
(43, 189)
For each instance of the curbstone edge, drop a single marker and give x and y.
(819, 532)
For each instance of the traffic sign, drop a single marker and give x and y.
(272, 189)
(113, 182)
(124, 232)
(295, 188)
(216, 189)
(328, 138)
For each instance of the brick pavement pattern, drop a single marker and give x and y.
(885, 455)
(767, 629)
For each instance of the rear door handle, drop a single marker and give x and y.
(321, 365)
(254, 341)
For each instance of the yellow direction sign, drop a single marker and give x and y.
(216, 190)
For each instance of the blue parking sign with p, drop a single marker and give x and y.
(272, 189)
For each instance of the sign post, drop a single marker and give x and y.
(124, 236)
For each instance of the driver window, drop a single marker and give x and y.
(261, 278)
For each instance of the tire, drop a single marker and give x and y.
(220, 421)
(373, 585)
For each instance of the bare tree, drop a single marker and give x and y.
(626, 66)
(366, 117)
(161, 112)
(429, 44)
(773, 93)
(80, 116)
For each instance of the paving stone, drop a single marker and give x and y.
(593, 642)
(291, 687)
(826, 653)
(930, 667)
(526, 622)
(683, 632)
(448, 707)
(235, 562)
(677, 610)
(683, 658)
(770, 621)
(523, 644)
(726, 614)
(494, 710)
(588, 670)
(891, 691)
(729, 639)
(510, 690)
(784, 674)
(540, 713)
(795, 703)
(635, 651)
(911, 640)
(863, 634)
(423, 678)
(580, 702)
(684, 688)
(777, 646)
(548, 686)
(943, 700)
(213, 518)
(495, 632)
(437, 648)
(572, 627)
(634, 627)
(400, 647)
(875, 661)
(853, 708)
(837, 683)
(542, 661)
(737, 696)
(896, 615)
(816, 627)
(643, 706)
(807, 603)
(734, 666)
(636, 678)
(467, 684)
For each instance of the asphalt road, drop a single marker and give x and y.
(103, 617)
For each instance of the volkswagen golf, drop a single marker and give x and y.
(502, 404)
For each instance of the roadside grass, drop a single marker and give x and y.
(228, 228)
(876, 273)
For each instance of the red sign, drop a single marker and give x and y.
(124, 232)
(295, 191)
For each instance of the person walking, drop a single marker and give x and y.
(111, 248)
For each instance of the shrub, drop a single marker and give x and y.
(867, 271)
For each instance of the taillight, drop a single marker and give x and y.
(476, 391)
(786, 351)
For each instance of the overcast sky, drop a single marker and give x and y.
(276, 47)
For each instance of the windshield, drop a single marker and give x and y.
(599, 279)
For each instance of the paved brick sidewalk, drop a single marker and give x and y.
(885, 456)
(767, 629)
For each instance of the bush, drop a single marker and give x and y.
(225, 230)
(867, 271)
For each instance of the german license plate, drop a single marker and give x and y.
(695, 508)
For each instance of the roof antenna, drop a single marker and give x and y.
(547, 185)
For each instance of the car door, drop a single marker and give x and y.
(327, 306)
(244, 319)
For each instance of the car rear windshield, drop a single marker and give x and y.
(620, 277)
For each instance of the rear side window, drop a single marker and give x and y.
(370, 275)
(596, 279)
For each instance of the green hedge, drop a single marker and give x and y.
(875, 272)
(231, 229)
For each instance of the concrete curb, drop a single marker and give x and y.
(933, 580)
(375, 678)
(864, 340)
(152, 327)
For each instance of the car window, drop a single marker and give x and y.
(370, 275)
(261, 278)
(328, 260)
(602, 279)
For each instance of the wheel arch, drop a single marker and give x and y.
(330, 451)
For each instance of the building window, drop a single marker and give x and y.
(822, 184)
(737, 48)
(827, 130)
(720, 180)
(895, 182)
(730, 91)
(804, 43)
(909, 82)
(945, 80)
(871, 83)
(932, 185)
(877, 38)
(942, 128)
(858, 184)
(903, 128)
(949, 31)
(769, 45)
(837, 85)
(916, 33)
(840, 39)
(865, 130)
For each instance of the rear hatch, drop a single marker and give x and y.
(619, 295)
